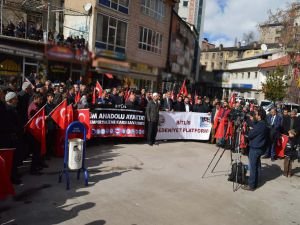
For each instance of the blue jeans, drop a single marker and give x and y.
(254, 161)
(271, 151)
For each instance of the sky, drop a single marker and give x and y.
(226, 20)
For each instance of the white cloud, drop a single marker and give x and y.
(236, 18)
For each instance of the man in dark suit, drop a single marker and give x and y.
(290, 122)
(179, 105)
(257, 142)
(167, 104)
(152, 115)
(274, 122)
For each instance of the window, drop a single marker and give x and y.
(150, 40)
(249, 75)
(206, 55)
(255, 75)
(153, 8)
(111, 33)
(221, 55)
(119, 5)
(213, 55)
(221, 65)
(185, 3)
(242, 75)
(212, 65)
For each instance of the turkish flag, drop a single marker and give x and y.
(62, 115)
(183, 90)
(37, 128)
(99, 89)
(77, 97)
(83, 116)
(281, 144)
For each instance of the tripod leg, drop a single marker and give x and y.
(211, 162)
(218, 160)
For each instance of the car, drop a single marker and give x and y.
(265, 103)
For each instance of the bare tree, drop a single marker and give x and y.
(248, 37)
(289, 20)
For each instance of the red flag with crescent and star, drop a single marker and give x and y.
(99, 89)
(183, 90)
(62, 114)
(37, 128)
(83, 116)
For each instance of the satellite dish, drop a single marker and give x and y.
(264, 47)
(87, 7)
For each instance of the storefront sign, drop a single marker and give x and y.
(109, 122)
(180, 125)
(106, 63)
(110, 54)
(60, 52)
(58, 68)
(143, 68)
(10, 67)
(20, 52)
(243, 86)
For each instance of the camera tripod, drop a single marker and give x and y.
(235, 157)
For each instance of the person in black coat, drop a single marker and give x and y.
(14, 133)
(291, 122)
(50, 126)
(24, 98)
(257, 136)
(179, 105)
(152, 115)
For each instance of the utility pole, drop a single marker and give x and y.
(48, 18)
(1, 29)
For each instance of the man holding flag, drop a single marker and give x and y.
(37, 134)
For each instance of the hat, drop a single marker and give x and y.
(26, 85)
(9, 96)
(155, 94)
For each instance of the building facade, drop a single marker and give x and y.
(192, 11)
(130, 40)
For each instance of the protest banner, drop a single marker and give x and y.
(182, 125)
(110, 122)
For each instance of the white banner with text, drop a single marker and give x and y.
(183, 125)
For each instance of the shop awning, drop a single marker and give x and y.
(133, 75)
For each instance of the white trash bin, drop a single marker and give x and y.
(75, 153)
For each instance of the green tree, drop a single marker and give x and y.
(275, 86)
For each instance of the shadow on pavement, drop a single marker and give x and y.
(269, 172)
(42, 200)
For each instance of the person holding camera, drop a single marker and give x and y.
(257, 137)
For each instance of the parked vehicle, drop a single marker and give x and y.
(265, 103)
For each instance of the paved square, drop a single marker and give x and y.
(135, 184)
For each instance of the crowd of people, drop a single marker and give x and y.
(34, 31)
(18, 105)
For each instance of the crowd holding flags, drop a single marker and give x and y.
(62, 115)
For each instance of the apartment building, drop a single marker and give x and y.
(130, 38)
